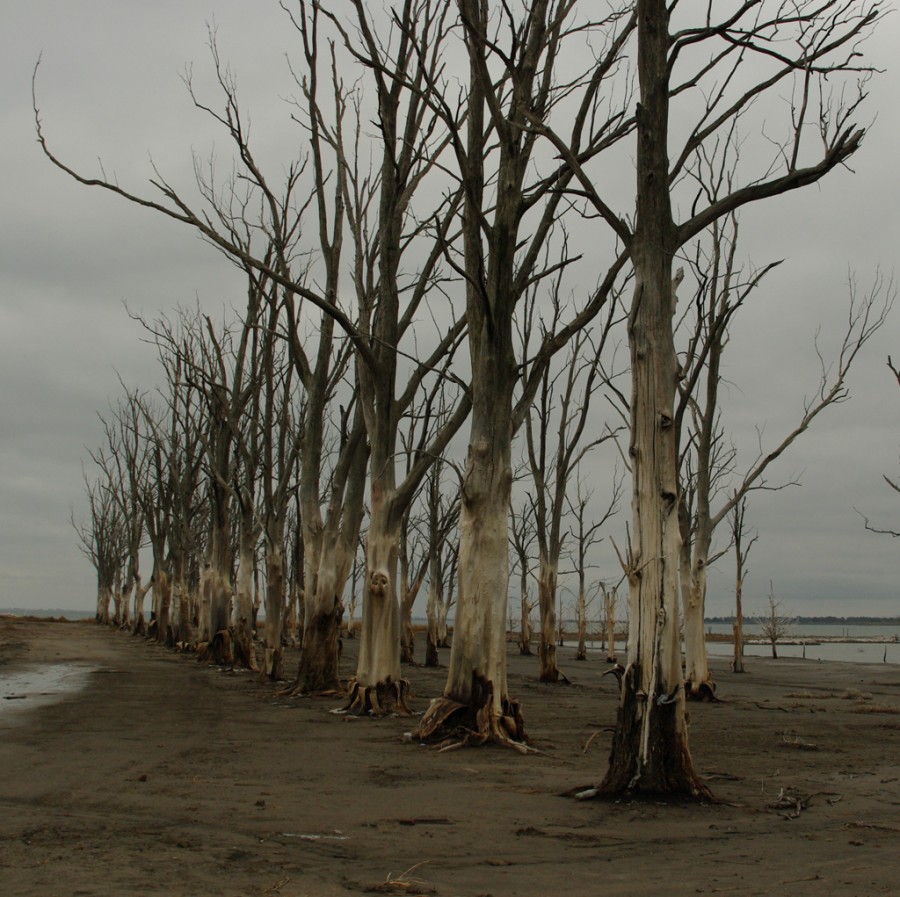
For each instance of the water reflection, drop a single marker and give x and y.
(39, 685)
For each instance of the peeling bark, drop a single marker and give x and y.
(273, 665)
(549, 671)
(378, 686)
(650, 751)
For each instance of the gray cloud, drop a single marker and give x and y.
(69, 257)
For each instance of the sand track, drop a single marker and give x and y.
(163, 776)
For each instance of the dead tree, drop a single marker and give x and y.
(774, 623)
(443, 517)
(681, 56)
(124, 460)
(585, 535)
(555, 436)
(741, 549)
(522, 536)
(511, 92)
(103, 539)
(278, 471)
(391, 216)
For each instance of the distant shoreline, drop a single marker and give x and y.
(60, 614)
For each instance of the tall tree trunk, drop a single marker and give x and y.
(139, 626)
(162, 591)
(525, 621)
(379, 687)
(434, 601)
(581, 652)
(318, 672)
(273, 667)
(699, 685)
(698, 679)
(182, 629)
(476, 695)
(609, 612)
(219, 577)
(650, 745)
(737, 663)
(242, 611)
(103, 599)
(549, 671)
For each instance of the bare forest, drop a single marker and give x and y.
(509, 247)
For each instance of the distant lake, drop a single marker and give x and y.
(844, 652)
(847, 652)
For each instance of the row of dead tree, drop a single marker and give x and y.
(516, 202)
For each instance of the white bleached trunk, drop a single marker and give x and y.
(476, 694)
(549, 671)
(273, 667)
(379, 686)
(698, 679)
(242, 610)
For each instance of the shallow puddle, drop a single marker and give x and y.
(38, 685)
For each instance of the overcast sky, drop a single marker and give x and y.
(71, 258)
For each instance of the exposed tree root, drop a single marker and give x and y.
(219, 651)
(244, 650)
(452, 725)
(654, 763)
(384, 699)
(616, 671)
(704, 692)
(273, 665)
(556, 677)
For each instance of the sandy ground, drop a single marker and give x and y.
(162, 776)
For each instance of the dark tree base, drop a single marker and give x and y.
(453, 724)
(384, 699)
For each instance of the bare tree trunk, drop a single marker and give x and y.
(476, 694)
(242, 611)
(549, 671)
(650, 745)
(443, 629)
(182, 630)
(525, 619)
(162, 592)
(103, 599)
(318, 672)
(379, 687)
(609, 610)
(273, 667)
(219, 576)
(698, 679)
(434, 601)
(737, 663)
(581, 613)
(140, 592)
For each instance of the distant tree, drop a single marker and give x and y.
(707, 461)
(742, 546)
(610, 599)
(521, 537)
(103, 539)
(555, 427)
(443, 516)
(774, 623)
(585, 535)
